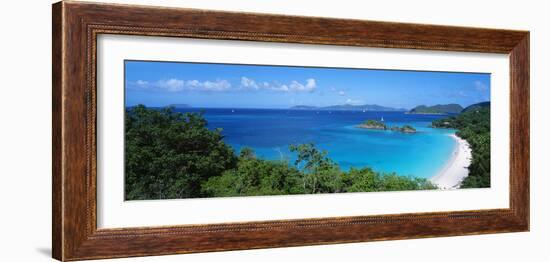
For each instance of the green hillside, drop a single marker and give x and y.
(437, 109)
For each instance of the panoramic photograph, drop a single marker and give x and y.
(202, 130)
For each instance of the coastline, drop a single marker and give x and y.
(456, 168)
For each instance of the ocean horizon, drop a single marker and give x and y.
(269, 132)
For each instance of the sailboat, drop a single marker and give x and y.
(382, 120)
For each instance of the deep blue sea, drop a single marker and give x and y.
(270, 131)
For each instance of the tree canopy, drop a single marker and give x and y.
(170, 154)
(475, 127)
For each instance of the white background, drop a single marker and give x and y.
(112, 211)
(25, 136)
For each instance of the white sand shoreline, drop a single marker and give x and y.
(456, 168)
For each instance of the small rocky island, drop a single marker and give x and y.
(378, 125)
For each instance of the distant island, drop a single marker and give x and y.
(377, 125)
(349, 107)
(437, 109)
(477, 106)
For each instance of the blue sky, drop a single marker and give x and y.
(252, 86)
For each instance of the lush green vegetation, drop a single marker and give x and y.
(476, 106)
(373, 124)
(174, 155)
(407, 129)
(437, 109)
(170, 155)
(474, 126)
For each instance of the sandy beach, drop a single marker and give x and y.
(456, 168)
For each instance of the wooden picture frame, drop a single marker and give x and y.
(76, 26)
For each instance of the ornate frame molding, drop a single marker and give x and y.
(76, 26)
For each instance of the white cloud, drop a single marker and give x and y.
(138, 85)
(353, 101)
(299, 87)
(193, 83)
(338, 91)
(278, 87)
(172, 85)
(218, 85)
(249, 83)
(294, 86)
(142, 83)
(177, 85)
(480, 86)
(311, 85)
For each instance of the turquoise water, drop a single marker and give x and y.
(270, 131)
